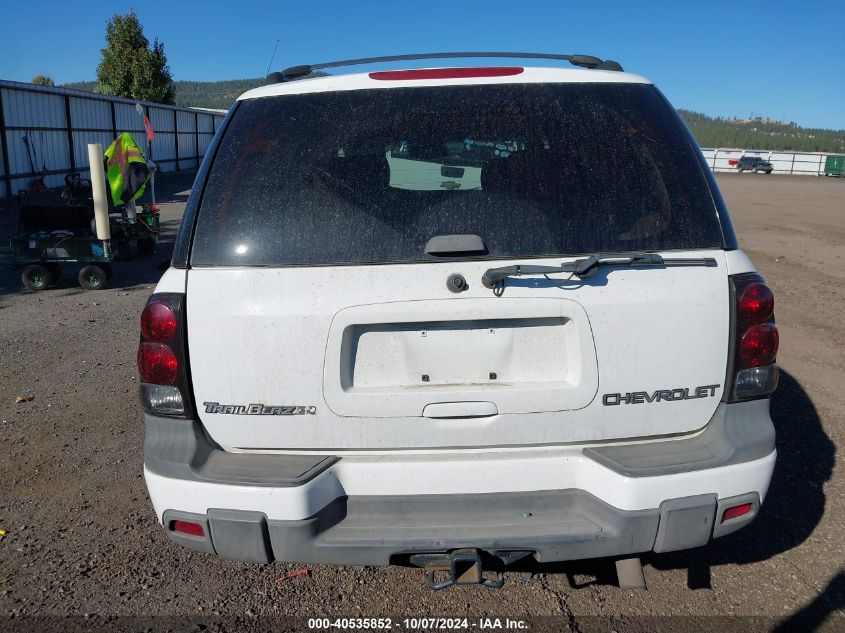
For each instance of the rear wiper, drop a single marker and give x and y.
(587, 267)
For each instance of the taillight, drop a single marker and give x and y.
(756, 304)
(157, 364)
(752, 370)
(759, 345)
(446, 73)
(162, 359)
(158, 323)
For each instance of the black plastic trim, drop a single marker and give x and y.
(729, 241)
(185, 236)
(586, 61)
(727, 392)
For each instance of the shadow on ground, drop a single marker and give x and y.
(811, 617)
(805, 462)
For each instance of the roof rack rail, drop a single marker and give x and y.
(297, 72)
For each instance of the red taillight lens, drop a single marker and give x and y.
(157, 364)
(732, 513)
(162, 357)
(158, 323)
(752, 372)
(756, 304)
(446, 73)
(759, 345)
(186, 527)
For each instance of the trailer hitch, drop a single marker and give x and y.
(463, 567)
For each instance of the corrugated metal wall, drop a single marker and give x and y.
(59, 123)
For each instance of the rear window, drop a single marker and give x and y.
(370, 176)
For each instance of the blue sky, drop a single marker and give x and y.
(784, 60)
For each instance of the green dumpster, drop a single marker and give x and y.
(834, 166)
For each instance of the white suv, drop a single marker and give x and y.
(456, 316)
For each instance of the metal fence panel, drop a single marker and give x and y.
(86, 114)
(81, 139)
(205, 123)
(48, 152)
(60, 122)
(187, 150)
(204, 141)
(186, 121)
(32, 109)
(161, 119)
(3, 191)
(127, 118)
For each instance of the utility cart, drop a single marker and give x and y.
(58, 228)
(51, 236)
(131, 233)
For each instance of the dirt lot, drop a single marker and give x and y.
(83, 549)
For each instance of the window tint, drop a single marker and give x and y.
(372, 175)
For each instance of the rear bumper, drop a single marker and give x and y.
(552, 525)
(562, 503)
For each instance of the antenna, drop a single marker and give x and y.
(272, 58)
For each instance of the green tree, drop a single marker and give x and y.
(43, 80)
(130, 67)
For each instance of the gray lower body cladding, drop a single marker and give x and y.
(554, 525)
(736, 433)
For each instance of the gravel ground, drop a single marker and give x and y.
(82, 549)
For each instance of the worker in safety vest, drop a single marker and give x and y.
(127, 170)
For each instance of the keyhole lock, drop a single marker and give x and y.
(456, 283)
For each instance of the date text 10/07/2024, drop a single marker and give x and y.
(417, 624)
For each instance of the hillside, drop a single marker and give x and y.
(761, 134)
(708, 131)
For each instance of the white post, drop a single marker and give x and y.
(98, 190)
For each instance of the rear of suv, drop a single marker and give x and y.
(412, 314)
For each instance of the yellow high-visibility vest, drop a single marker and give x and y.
(127, 170)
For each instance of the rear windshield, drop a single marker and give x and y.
(370, 176)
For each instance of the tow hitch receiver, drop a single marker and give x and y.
(463, 566)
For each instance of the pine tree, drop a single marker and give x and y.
(43, 80)
(130, 67)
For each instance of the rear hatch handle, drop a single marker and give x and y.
(588, 266)
(438, 410)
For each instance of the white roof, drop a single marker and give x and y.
(362, 81)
